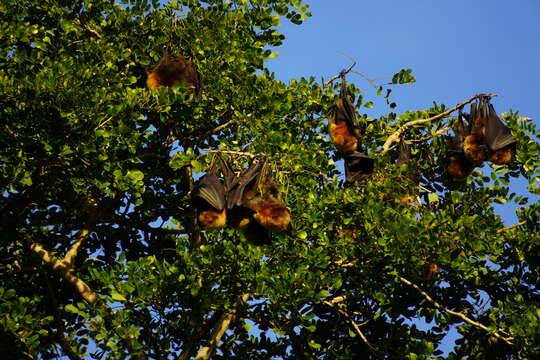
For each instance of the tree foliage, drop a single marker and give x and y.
(89, 156)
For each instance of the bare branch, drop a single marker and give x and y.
(511, 226)
(341, 73)
(425, 138)
(239, 153)
(396, 136)
(66, 269)
(356, 328)
(226, 320)
(215, 130)
(462, 316)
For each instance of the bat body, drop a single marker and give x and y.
(254, 203)
(489, 138)
(459, 167)
(343, 124)
(357, 166)
(209, 198)
(173, 70)
(474, 145)
(499, 140)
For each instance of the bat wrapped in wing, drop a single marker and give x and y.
(459, 167)
(343, 124)
(173, 70)
(210, 200)
(474, 145)
(499, 140)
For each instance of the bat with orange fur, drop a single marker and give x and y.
(173, 70)
(210, 200)
(474, 143)
(499, 140)
(459, 167)
(255, 204)
(343, 124)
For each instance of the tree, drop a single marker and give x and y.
(101, 255)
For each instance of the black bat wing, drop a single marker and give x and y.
(349, 112)
(198, 85)
(461, 130)
(497, 134)
(210, 189)
(246, 180)
(404, 153)
(358, 166)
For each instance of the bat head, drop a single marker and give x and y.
(211, 218)
(273, 216)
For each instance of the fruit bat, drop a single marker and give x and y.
(411, 178)
(343, 124)
(254, 203)
(474, 144)
(171, 71)
(210, 200)
(357, 166)
(499, 140)
(459, 167)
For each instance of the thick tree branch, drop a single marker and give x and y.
(223, 325)
(396, 136)
(190, 345)
(507, 340)
(65, 269)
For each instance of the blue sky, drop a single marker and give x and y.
(456, 49)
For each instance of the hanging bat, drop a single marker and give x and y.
(210, 201)
(404, 157)
(459, 167)
(499, 140)
(171, 71)
(343, 124)
(239, 216)
(263, 197)
(254, 203)
(474, 145)
(357, 166)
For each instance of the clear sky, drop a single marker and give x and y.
(456, 49)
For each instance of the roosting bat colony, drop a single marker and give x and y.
(250, 200)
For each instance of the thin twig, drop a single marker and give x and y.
(396, 136)
(370, 81)
(512, 226)
(462, 316)
(341, 73)
(239, 153)
(226, 321)
(215, 130)
(425, 138)
(356, 328)
(103, 122)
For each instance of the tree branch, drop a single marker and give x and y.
(65, 269)
(215, 130)
(356, 327)
(507, 340)
(511, 226)
(239, 153)
(396, 136)
(226, 320)
(341, 73)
